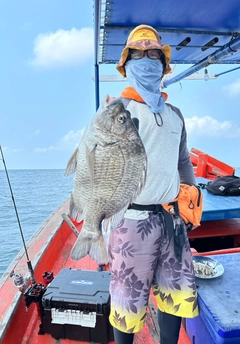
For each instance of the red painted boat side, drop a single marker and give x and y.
(49, 250)
(216, 229)
(217, 252)
(208, 167)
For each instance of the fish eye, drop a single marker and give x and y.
(121, 118)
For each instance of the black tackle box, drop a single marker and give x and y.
(76, 306)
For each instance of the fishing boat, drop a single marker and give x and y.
(200, 34)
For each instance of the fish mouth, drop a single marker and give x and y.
(114, 102)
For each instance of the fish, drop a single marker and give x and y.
(110, 166)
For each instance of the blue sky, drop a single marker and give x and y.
(47, 91)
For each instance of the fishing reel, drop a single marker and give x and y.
(35, 291)
(19, 281)
(34, 294)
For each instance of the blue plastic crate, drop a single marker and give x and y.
(219, 305)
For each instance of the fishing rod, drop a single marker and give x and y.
(29, 264)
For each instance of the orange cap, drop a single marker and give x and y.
(144, 37)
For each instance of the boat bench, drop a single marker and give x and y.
(220, 218)
(218, 207)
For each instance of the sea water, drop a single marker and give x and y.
(37, 193)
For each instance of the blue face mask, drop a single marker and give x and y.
(144, 76)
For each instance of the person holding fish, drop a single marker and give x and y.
(145, 251)
(129, 164)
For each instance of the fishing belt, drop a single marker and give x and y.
(155, 208)
(173, 225)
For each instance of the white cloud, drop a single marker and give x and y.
(233, 89)
(12, 150)
(17, 150)
(63, 48)
(44, 150)
(209, 127)
(72, 138)
(69, 141)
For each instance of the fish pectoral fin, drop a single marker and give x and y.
(112, 222)
(74, 212)
(72, 164)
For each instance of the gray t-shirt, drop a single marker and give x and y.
(165, 141)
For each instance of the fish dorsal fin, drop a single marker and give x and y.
(72, 164)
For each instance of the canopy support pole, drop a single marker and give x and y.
(229, 48)
(97, 12)
(228, 71)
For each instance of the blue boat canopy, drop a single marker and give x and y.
(199, 32)
(194, 29)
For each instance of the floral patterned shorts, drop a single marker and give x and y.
(142, 258)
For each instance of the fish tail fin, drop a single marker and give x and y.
(81, 248)
(98, 251)
(91, 243)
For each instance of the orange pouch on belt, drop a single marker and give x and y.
(189, 204)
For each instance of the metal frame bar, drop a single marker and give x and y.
(107, 27)
(97, 18)
(228, 71)
(229, 48)
(172, 46)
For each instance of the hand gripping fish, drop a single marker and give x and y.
(110, 171)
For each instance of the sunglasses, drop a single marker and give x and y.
(153, 54)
